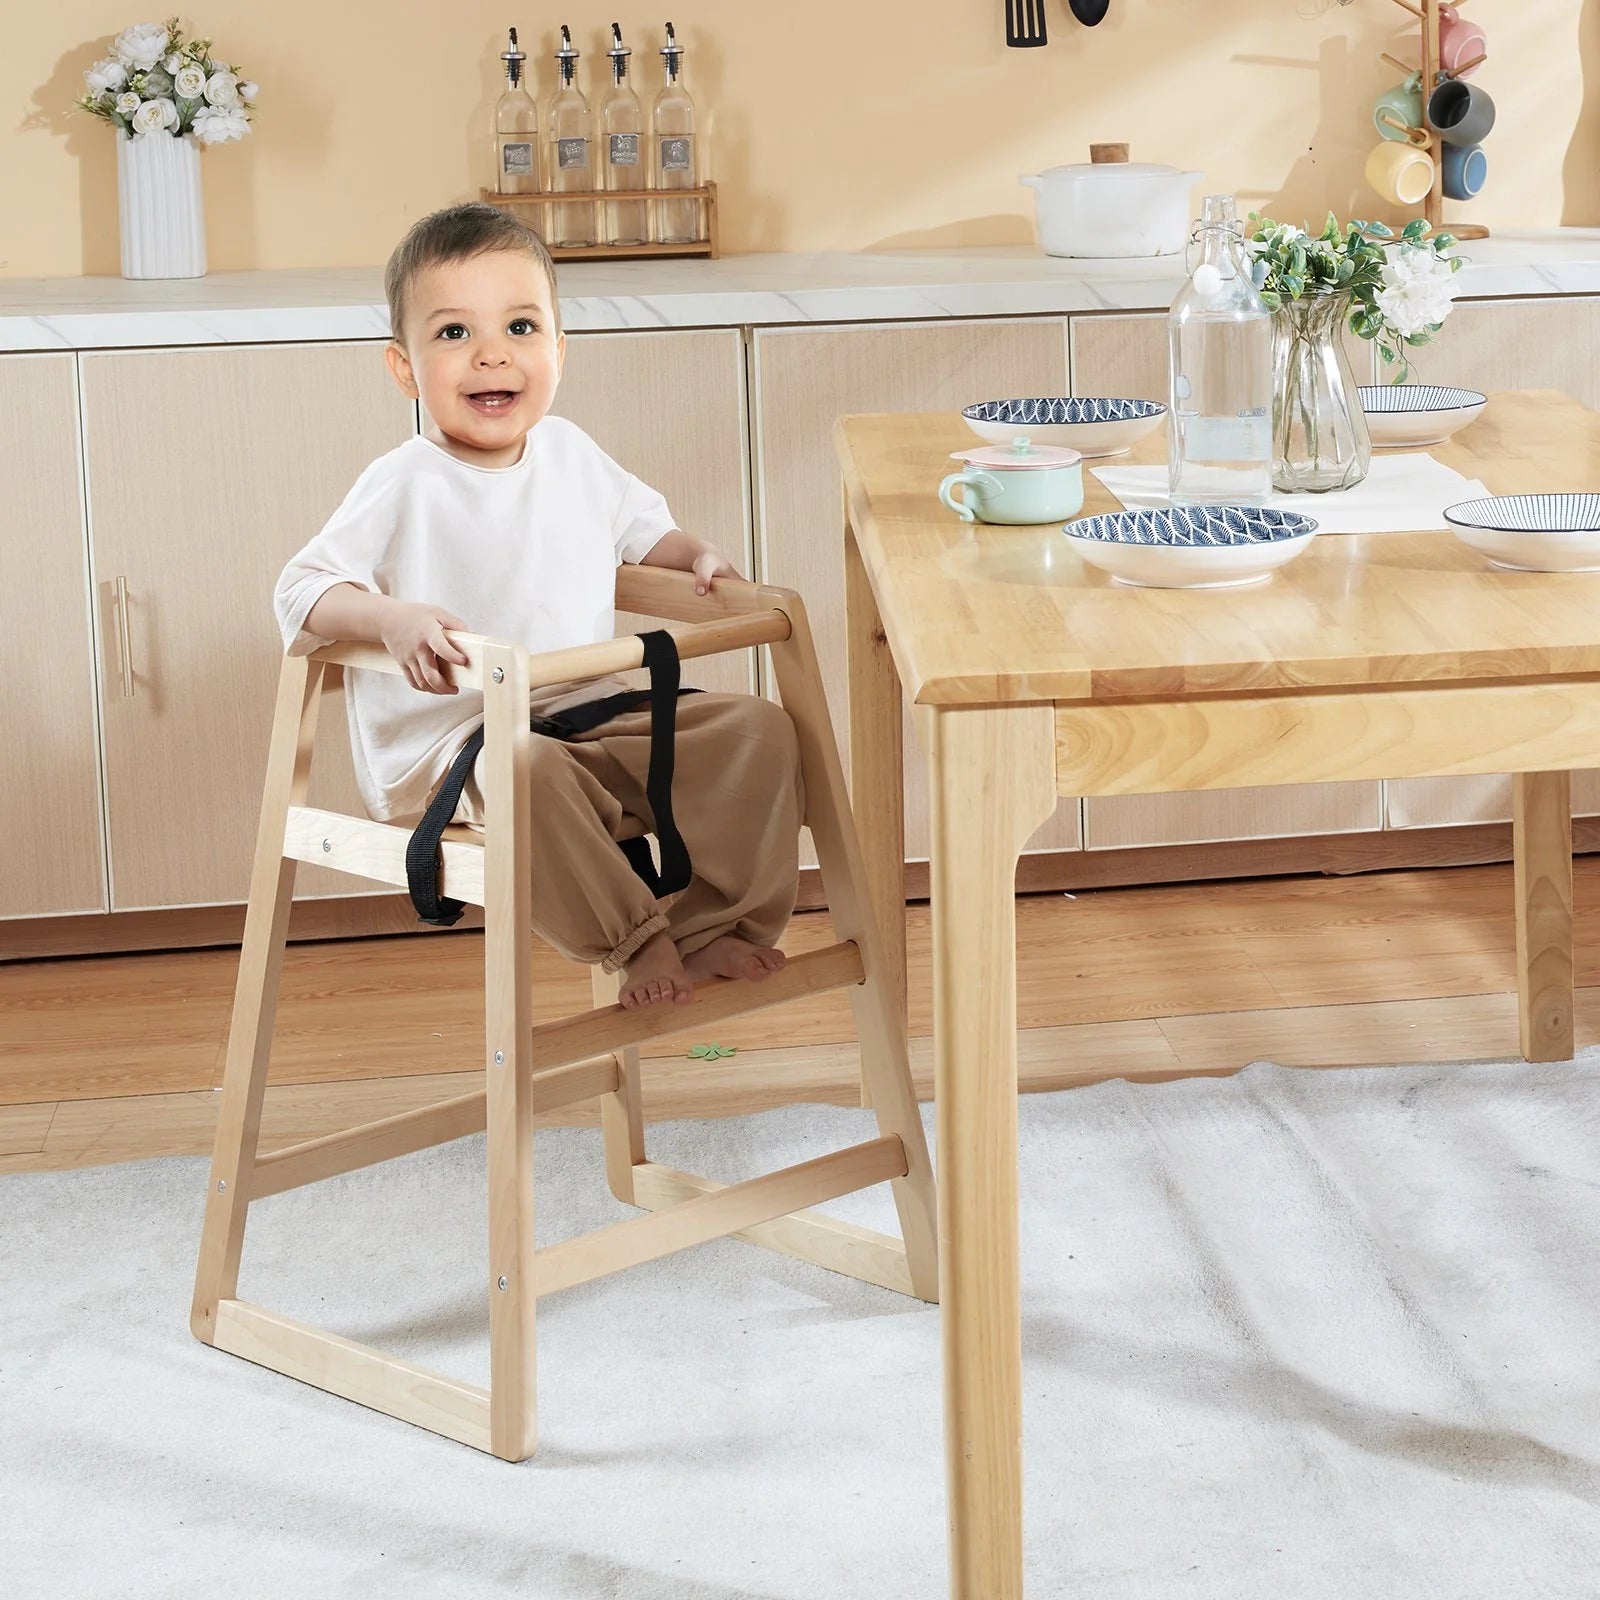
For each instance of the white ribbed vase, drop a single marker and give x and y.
(158, 206)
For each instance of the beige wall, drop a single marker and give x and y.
(831, 125)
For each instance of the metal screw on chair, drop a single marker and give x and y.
(222, 1185)
(499, 674)
(499, 1058)
(327, 847)
(502, 1283)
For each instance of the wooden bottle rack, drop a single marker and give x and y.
(1427, 14)
(533, 209)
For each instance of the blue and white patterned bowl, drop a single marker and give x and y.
(1413, 414)
(1092, 426)
(1191, 547)
(1532, 532)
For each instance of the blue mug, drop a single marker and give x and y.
(1465, 169)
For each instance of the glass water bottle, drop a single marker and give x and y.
(1219, 427)
(673, 150)
(516, 129)
(622, 152)
(568, 167)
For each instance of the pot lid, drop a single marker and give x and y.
(1115, 170)
(1019, 456)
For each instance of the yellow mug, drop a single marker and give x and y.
(1400, 171)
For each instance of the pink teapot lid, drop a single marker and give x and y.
(1018, 456)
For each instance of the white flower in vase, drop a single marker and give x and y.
(222, 89)
(127, 104)
(219, 124)
(106, 77)
(1418, 291)
(142, 45)
(173, 62)
(189, 81)
(248, 92)
(155, 116)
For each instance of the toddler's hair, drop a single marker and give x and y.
(455, 234)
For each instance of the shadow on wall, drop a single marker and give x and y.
(1580, 204)
(1334, 133)
(94, 144)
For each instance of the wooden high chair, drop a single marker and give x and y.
(532, 1069)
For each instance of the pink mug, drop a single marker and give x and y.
(1459, 41)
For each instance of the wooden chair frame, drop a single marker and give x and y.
(529, 1070)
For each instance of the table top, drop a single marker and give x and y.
(985, 615)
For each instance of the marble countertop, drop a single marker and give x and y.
(753, 290)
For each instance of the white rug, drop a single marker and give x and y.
(1294, 1334)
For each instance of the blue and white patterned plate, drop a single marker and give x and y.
(1192, 547)
(1417, 413)
(1093, 425)
(1532, 532)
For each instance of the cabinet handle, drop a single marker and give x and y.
(124, 637)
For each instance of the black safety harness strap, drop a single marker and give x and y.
(661, 658)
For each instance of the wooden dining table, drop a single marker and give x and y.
(1032, 675)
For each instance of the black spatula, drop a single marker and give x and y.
(1025, 23)
(1089, 12)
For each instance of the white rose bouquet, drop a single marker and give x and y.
(155, 82)
(1399, 285)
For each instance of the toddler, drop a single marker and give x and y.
(506, 521)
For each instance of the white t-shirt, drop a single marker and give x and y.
(526, 553)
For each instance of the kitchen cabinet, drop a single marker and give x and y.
(671, 408)
(803, 378)
(207, 469)
(50, 812)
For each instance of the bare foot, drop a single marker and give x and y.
(655, 976)
(733, 957)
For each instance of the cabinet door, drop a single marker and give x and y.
(207, 470)
(1442, 802)
(50, 813)
(804, 379)
(1490, 345)
(1518, 344)
(1127, 356)
(671, 408)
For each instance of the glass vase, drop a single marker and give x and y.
(1319, 430)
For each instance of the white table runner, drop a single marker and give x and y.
(1399, 493)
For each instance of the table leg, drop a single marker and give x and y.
(992, 774)
(1542, 845)
(877, 778)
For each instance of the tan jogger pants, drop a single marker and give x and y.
(738, 801)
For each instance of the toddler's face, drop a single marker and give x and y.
(480, 347)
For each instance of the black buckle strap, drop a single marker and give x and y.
(661, 658)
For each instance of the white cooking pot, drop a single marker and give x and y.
(1113, 208)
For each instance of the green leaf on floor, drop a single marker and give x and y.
(711, 1052)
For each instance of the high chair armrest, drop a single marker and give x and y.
(667, 592)
(728, 629)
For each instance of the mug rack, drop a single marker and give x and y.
(533, 209)
(1427, 14)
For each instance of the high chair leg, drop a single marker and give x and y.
(876, 1001)
(508, 1050)
(255, 995)
(621, 1114)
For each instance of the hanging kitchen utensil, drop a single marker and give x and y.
(1089, 12)
(1025, 23)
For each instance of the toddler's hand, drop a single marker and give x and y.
(414, 635)
(709, 564)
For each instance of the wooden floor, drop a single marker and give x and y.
(115, 1058)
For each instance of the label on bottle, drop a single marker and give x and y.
(622, 149)
(1247, 437)
(516, 160)
(677, 153)
(572, 153)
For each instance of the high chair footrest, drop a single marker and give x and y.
(717, 1214)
